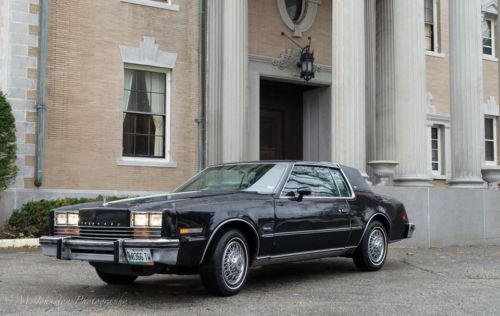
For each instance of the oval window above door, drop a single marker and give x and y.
(298, 15)
(295, 9)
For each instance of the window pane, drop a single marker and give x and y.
(158, 82)
(157, 103)
(487, 28)
(489, 154)
(488, 129)
(341, 183)
(429, 11)
(429, 37)
(435, 166)
(319, 180)
(143, 135)
(434, 133)
(487, 50)
(434, 145)
(435, 155)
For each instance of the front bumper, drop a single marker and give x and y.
(164, 251)
(409, 229)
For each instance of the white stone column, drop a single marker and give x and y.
(370, 62)
(348, 83)
(234, 79)
(466, 87)
(497, 48)
(214, 83)
(401, 90)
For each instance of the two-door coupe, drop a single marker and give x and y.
(231, 217)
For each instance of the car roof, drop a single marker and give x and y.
(319, 163)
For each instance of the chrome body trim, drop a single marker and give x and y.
(163, 251)
(304, 255)
(305, 232)
(220, 226)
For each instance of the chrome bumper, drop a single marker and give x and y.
(410, 228)
(70, 248)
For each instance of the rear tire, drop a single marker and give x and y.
(225, 270)
(116, 279)
(372, 252)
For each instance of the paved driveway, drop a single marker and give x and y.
(449, 281)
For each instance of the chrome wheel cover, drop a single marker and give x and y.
(234, 263)
(376, 246)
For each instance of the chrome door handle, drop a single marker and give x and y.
(343, 210)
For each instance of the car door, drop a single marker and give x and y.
(317, 222)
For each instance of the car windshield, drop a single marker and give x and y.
(261, 178)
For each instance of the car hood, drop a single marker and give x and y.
(163, 199)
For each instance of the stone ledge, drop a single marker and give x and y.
(19, 243)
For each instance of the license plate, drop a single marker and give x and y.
(139, 256)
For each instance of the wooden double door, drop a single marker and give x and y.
(281, 121)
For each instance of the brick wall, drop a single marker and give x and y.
(85, 93)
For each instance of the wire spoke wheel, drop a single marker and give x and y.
(234, 263)
(376, 246)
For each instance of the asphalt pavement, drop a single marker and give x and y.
(438, 281)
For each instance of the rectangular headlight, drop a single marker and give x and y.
(73, 219)
(140, 219)
(61, 218)
(155, 219)
(146, 219)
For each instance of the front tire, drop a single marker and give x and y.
(372, 252)
(116, 279)
(225, 271)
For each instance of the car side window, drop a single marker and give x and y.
(341, 183)
(318, 179)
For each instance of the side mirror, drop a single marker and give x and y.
(303, 191)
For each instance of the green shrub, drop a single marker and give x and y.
(32, 220)
(8, 147)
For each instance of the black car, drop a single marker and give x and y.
(231, 217)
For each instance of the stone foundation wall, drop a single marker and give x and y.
(448, 216)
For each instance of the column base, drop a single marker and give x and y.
(413, 181)
(467, 183)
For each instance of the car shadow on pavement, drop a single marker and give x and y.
(188, 289)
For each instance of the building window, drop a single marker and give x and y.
(490, 140)
(488, 37)
(436, 153)
(144, 113)
(430, 40)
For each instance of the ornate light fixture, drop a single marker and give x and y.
(306, 62)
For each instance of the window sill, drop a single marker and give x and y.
(489, 163)
(490, 58)
(154, 4)
(434, 54)
(146, 162)
(439, 177)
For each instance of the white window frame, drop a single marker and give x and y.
(493, 52)
(153, 162)
(166, 4)
(438, 172)
(494, 140)
(435, 51)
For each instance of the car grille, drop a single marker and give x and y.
(100, 232)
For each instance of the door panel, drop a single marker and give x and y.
(320, 221)
(312, 224)
(271, 135)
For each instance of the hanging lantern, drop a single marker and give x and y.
(306, 64)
